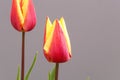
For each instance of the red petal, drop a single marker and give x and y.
(30, 19)
(15, 20)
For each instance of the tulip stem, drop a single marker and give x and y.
(23, 56)
(56, 71)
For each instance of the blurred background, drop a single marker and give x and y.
(94, 31)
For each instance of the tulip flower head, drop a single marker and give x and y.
(57, 46)
(23, 17)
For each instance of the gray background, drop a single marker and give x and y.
(94, 30)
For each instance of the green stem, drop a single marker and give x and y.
(56, 71)
(23, 56)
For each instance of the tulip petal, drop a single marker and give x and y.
(19, 11)
(29, 16)
(63, 26)
(48, 27)
(49, 34)
(24, 7)
(16, 15)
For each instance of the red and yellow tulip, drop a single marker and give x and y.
(23, 17)
(57, 47)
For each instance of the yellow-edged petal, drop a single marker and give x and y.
(49, 34)
(63, 26)
(19, 11)
(48, 28)
(24, 7)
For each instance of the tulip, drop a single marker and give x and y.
(57, 46)
(23, 17)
